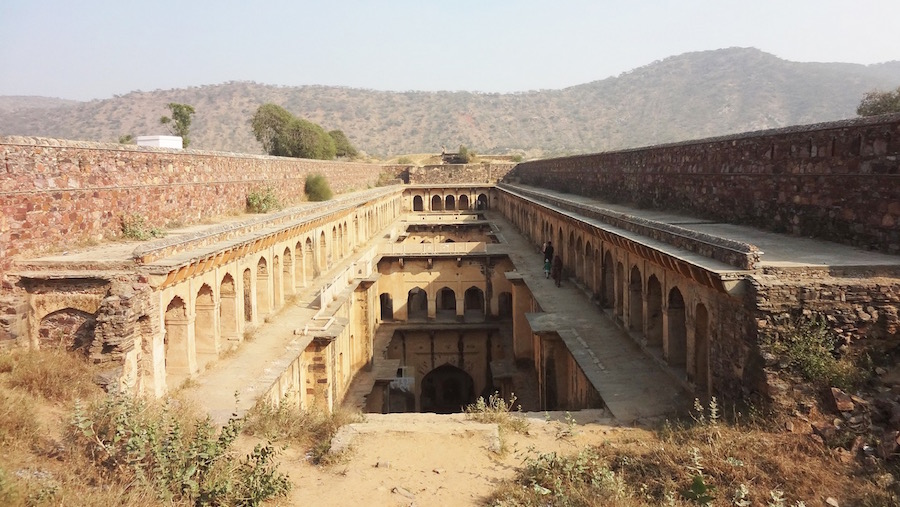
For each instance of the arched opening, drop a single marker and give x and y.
(67, 329)
(205, 325)
(299, 266)
(340, 248)
(473, 303)
(620, 292)
(589, 268)
(482, 203)
(579, 260)
(387, 306)
(437, 203)
(570, 254)
(287, 272)
(446, 303)
(335, 252)
(248, 295)
(228, 308)
(654, 313)
(416, 304)
(323, 253)
(309, 262)
(446, 389)
(263, 293)
(609, 282)
(418, 204)
(700, 375)
(504, 304)
(676, 348)
(635, 301)
(176, 339)
(463, 202)
(277, 283)
(450, 203)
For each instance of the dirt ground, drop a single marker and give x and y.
(434, 460)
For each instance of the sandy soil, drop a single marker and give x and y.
(429, 460)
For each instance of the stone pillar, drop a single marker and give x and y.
(523, 344)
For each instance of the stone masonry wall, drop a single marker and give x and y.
(838, 181)
(458, 173)
(55, 194)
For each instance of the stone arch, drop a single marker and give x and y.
(450, 202)
(387, 306)
(445, 301)
(287, 272)
(335, 252)
(277, 283)
(635, 301)
(446, 389)
(228, 308)
(609, 281)
(205, 324)
(263, 291)
(570, 253)
(299, 266)
(700, 374)
(473, 303)
(417, 203)
(579, 259)
(482, 202)
(590, 270)
(463, 202)
(620, 292)
(654, 313)
(309, 261)
(323, 252)
(437, 204)
(69, 329)
(676, 341)
(248, 295)
(416, 304)
(175, 341)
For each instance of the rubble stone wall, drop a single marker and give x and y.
(838, 181)
(458, 173)
(55, 194)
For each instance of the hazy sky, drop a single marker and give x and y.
(89, 49)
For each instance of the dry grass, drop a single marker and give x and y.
(661, 469)
(56, 375)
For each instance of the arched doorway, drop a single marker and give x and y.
(248, 295)
(676, 349)
(505, 305)
(635, 301)
(437, 204)
(176, 339)
(654, 313)
(228, 308)
(263, 293)
(287, 278)
(482, 203)
(205, 325)
(446, 389)
(609, 283)
(387, 306)
(620, 292)
(446, 303)
(418, 204)
(416, 304)
(67, 329)
(473, 304)
(450, 203)
(463, 202)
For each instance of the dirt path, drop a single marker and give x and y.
(436, 460)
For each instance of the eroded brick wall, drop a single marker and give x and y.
(55, 194)
(838, 181)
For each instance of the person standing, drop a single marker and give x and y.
(548, 251)
(556, 270)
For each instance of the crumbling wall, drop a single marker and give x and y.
(838, 181)
(449, 174)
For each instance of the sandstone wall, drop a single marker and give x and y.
(458, 173)
(838, 181)
(55, 194)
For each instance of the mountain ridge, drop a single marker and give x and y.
(682, 97)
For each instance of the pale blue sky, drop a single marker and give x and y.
(93, 49)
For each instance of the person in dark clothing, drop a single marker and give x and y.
(556, 270)
(548, 251)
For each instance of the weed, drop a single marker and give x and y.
(56, 375)
(498, 411)
(262, 201)
(809, 348)
(317, 188)
(134, 226)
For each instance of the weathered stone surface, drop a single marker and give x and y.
(842, 401)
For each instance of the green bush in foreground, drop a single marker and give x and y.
(317, 188)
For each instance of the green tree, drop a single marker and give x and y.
(284, 135)
(126, 139)
(877, 102)
(342, 145)
(180, 122)
(463, 154)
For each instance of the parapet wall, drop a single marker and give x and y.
(55, 194)
(838, 181)
(447, 174)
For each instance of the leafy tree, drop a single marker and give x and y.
(876, 102)
(180, 122)
(342, 144)
(284, 135)
(463, 154)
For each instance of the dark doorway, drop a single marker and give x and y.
(446, 390)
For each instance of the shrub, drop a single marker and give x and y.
(404, 161)
(317, 188)
(134, 226)
(262, 201)
(809, 348)
(498, 411)
(181, 460)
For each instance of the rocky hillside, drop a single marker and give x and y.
(693, 95)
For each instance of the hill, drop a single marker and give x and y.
(689, 96)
